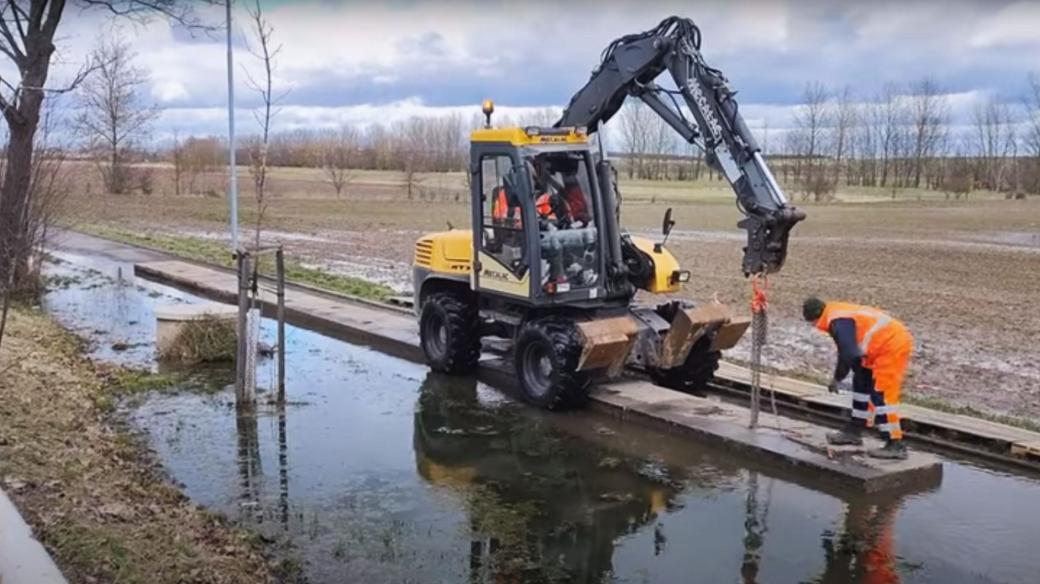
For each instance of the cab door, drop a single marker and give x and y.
(502, 209)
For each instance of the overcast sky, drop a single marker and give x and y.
(366, 61)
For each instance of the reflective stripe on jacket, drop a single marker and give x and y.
(874, 328)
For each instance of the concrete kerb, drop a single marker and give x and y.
(23, 559)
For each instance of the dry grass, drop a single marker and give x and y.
(209, 339)
(87, 489)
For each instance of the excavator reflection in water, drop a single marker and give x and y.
(544, 509)
(539, 510)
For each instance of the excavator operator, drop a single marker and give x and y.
(548, 203)
(506, 211)
(876, 348)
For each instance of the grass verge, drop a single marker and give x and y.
(88, 488)
(212, 252)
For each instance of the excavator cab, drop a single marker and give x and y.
(535, 209)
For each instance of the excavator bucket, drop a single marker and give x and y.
(607, 343)
(730, 333)
(688, 326)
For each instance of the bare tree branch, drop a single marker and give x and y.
(113, 115)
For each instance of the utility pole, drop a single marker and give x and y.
(232, 167)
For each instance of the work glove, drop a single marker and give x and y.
(836, 386)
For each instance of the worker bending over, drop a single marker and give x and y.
(876, 348)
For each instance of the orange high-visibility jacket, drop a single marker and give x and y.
(875, 330)
(544, 206)
(501, 212)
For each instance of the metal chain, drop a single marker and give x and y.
(759, 324)
(759, 332)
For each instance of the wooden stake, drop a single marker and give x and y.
(280, 268)
(241, 399)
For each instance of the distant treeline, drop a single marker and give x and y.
(903, 137)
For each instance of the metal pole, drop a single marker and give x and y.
(243, 310)
(232, 166)
(280, 267)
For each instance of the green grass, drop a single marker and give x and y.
(211, 252)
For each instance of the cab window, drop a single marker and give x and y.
(502, 214)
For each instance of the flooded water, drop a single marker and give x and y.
(380, 471)
(1012, 238)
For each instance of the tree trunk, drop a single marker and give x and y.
(14, 201)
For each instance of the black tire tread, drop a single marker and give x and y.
(695, 373)
(463, 324)
(570, 387)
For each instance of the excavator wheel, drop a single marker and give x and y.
(695, 373)
(547, 353)
(449, 333)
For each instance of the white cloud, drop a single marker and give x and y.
(368, 61)
(214, 119)
(1015, 24)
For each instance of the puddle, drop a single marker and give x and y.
(384, 472)
(1012, 238)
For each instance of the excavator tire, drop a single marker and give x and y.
(546, 353)
(695, 373)
(449, 333)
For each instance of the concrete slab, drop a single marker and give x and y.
(23, 559)
(797, 444)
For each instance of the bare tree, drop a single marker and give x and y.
(636, 119)
(843, 120)
(339, 156)
(48, 189)
(930, 116)
(200, 156)
(266, 52)
(864, 140)
(409, 149)
(113, 114)
(994, 141)
(806, 139)
(889, 118)
(177, 153)
(27, 43)
(1032, 138)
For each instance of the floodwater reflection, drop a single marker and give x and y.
(396, 474)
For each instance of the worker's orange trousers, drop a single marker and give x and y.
(875, 397)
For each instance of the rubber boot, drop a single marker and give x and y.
(850, 435)
(892, 450)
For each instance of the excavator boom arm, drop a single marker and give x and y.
(630, 66)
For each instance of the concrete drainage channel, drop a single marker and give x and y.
(392, 328)
(381, 471)
(951, 432)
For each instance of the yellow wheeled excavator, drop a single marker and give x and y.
(547, 264)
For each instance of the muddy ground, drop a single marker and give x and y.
(962, 275)
(86, 486)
